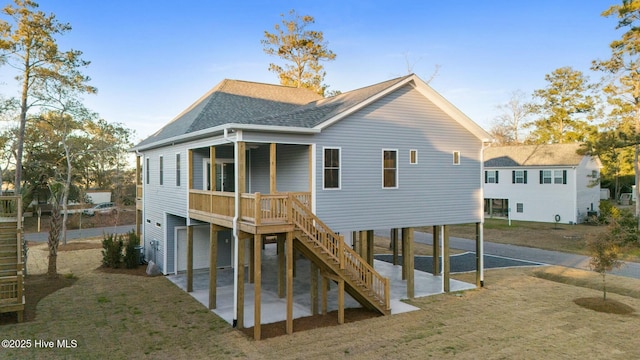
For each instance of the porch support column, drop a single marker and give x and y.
(281, 266)
(325, 288)
(436, 250)
(289, 256)
(479, 256)
(189, 258)
(340, 301)
(404, 255)
(362, 244)
(445, 259)
(313, 268)
(370, 243)
(354, 241)
(190, 172)
(212, 170)
(394, 245)
(213, 265)
(272, 169)
(240, 280)
(407, 242)
(252, 256)
(257, 269)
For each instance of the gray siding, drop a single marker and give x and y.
(292, 168)
(259, 170)
(432, 192)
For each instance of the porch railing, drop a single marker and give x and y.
(257, 208)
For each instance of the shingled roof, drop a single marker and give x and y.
(244, 102)
(532, 155)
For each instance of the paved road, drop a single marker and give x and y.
(79, 234)
(525, 253)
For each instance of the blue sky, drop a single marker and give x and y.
(152, 59)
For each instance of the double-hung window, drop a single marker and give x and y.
(491, 176)
(177, 169)
(545, 177)
(390, 169)
(331, 173)
(558, 177)
(161, 170)
(519, 177)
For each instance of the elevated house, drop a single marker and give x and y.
(545, 183)
(250, 163)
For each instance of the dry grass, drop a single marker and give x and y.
(517, 315)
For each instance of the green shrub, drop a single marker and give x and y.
(112, 250)
(131, 253)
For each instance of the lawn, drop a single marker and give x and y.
(519, 314)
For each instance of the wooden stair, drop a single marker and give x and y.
(337, 260)
(11, 264)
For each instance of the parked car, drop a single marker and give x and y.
(102, 209)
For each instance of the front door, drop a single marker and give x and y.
(225, 175)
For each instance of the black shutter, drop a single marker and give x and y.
(497, 176)
(541, 180)
(564, 176)
(485, 177)
(525, 176)
(513, 176)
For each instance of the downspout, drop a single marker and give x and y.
(236, 242)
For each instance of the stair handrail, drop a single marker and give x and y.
(348, 259)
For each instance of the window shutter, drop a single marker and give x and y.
(486, 176)
(513, 176)
(541, 180)
(564, 176)
(497, 176)
(525, 176)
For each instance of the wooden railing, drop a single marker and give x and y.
(9, 206)
(257, 209)
(333, 244)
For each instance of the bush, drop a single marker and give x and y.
(112, 250)
(131, 253)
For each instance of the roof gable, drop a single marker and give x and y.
(533, 155)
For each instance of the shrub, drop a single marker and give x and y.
(131, 253)
(112, 250)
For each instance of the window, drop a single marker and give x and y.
(161, 171)
(558, 177)
(519, 176)
(519, 207)
(147, 172)
(331, 168)
(413, 157)
(491, 177)
(456, 158)
(177, 169)
(389, 168)
(545, 176)
(594, 174)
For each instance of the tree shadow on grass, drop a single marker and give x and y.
(606, 306)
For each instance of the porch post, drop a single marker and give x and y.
(479, 254)
(370, 243)
(272, 169)
(325, 288)
(240, 279)
(394, 245)
(436, 250)
(213, 265)
(289, 249)
(257, 239)
(404, 254)
(445, 258)
(313, 269)
(212, 170)
(281, 266)
(252, 256)
(189, 258)
(407, 240)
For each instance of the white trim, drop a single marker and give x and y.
(339, 166)
(397, 169)
(314, 178)
(175, 246)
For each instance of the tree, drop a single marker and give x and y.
(605, 252)
(303, 48)
(622, 76)
(28, 44)
(53, 240)
(512, 116)
(563, 108)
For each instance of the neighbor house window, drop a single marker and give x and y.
(519, 207)
(456, 158)
(413, 157)
(559, 177)
(331, 168)
(545, 176)
(177, 169)
(519, 176)
(390, 168)
(491, 176)
(161, 170)
(147, 172)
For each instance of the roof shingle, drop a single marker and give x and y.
(532, 155)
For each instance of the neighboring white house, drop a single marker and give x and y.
(545, 183)
(263, 162)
